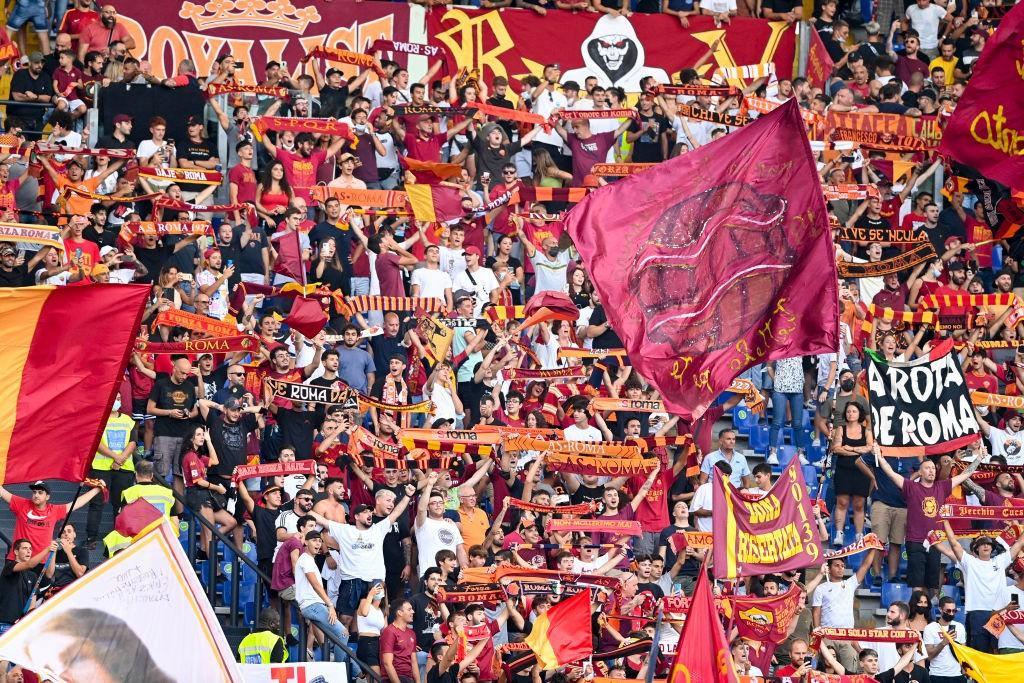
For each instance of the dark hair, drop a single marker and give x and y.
(303, 521)
(430, 572)
(266, 180)
(762, 468)
(397, 605)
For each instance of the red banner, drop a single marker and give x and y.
(986, 130)
(690, 323)
(619, 51)
(257, 33)
(764, 619)
(770, 535)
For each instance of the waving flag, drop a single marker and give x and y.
(64, 351)
(563, 634)
(715, 261)
(703, 652)
(984, 131)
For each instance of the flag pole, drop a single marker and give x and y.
(652, 656)
(302, 263)
(53, 553)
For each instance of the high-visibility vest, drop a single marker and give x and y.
(156, 495)
(116, 435)
(257, 647)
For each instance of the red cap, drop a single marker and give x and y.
(209, 252)
(473, 250)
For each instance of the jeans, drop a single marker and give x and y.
(796, 406)
(360, 285)
(317, 613)
(977, 636)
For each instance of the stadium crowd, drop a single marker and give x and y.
(369, 545)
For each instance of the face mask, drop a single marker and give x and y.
(936, 272)
(116, 407)
(847, 385)
(553, 252)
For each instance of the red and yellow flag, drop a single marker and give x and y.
(703, 652)
(563, 633)
(64, 352)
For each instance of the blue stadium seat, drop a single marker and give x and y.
(951, 591)
(786, 453)
(808, 420)
(997, 258)
(759, 439)
(810, 473)
(853, 562)
(895, 592)
(743, 419)
(815, 452)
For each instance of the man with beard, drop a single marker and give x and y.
(589, 148)
(1002, 494)
(301, 165)
(230, 427)
(333, 506)
(549, 262)
(428, 612)
(213, 282)
(98, 35)
(173, 402)
(896, 617)
(287, 522)
(361, 553)
(397, 547)
(29, 85)
(356, 367)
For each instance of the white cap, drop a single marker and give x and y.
(107, 250)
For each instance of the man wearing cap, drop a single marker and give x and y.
(197, 154)
(478, 280)
(33, 85)
(346, 179)
(36, 518)
(361, 556)
(985, 588)
(14, 270)
(78, 205)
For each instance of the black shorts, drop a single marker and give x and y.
(197, 498)
(267, 567)
(350, 592)
(139, 409)
(368, 650)
(923, 566)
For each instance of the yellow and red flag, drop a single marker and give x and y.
(64, 351)
(702, 634)
(563, 633)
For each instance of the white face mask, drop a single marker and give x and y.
(117, 405)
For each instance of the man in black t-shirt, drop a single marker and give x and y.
(18, 579)
(649, 134)
(70, 563)
(32, 85)
(905, 671)
(600, 329)
(196, 153)
(264, 518)
(229, 432)
(13, 273)
(426, 609)
(173, 402)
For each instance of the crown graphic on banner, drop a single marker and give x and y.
(276, 14)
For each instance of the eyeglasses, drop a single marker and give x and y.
(236, 374)
(304, 499)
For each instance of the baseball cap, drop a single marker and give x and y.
(473, 250)
(345, 156)
(99, 269)
(462, 294)
(956, 265)
(950, 240)
(980, 541)
(271, 489)
(107, 250)
(36, 56)
(231, 403)
(121, 118)
(358, 509)
(7, 249)
(193, 120)
(40, 486)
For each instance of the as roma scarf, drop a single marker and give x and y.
(696, 90)
(509, 114)
(232, 87)
(868, 542)
(619, 527)
(165, 202)
(381, 45)
(335, 54)
(751, 396)
(288, 290)
(505, 431)
(195, 176)
(627, 404)
(990, 512)
(163, 228)
(877, 140)
(376, 302)
(33, 234)
(579, 509)
(868, 635)
(465, 436)
(525, 443)
(849, 191)
(587, 114)
(457, 447)
(483, 592)
(681, 540)
(905, 261)
(987, 471)
(235, 343)
(573, 372)
(997, 623)
(275, 469)
(362, 440)
(568, 352)
(380, 199)
(619, 169)
(609, 467)
(895, 235)
(701, 114)
(295, 125)
(997, 400)
(342, 394)
(69, 190)
(432, 110)
(909, 317)
(421, 407)
(571, 195)
(764, 106)
(174, 317)
(1008, 535)
(941, 301)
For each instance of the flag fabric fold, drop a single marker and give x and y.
(563, 633)
(64, 351)
(703, 653)
(715, 261)
(985, 668)
(307, 316)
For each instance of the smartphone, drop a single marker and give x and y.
(239, 65)
(230, 263)
(284, 65)
(185, 277)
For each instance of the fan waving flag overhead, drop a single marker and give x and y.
(715, 261)
(64, 352)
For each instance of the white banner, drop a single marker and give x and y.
(300, 672)
(141, 616)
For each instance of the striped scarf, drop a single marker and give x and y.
(941, 301)
(498, 313)
(377, 302)
(576, 371)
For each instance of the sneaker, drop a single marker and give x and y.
(839, 539)
(858, 538)
(819, 463)
(877, 581)
(773, 457)
(803, 459)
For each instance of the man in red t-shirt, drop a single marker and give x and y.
(35, 519)
(77, 18)
(977, 378)
(398, 646)
(78, 249)
(98, 35)
(422, 143)
(301, 165)
(242, 180)
(799, 662)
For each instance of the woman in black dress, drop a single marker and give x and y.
(849, 442)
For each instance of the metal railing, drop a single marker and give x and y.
(37, 105)
(262, 581)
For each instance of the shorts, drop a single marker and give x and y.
(29, 13)
(889, 523)
(368, 650)
(197, 499)
(288, 593)
(350, 593)
(922, 566)
(73, 104)
(139, 410)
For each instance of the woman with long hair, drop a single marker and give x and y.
(273, 193)
(920, 610)
(579, 288)
(370, 621)
(503, 257)
(206, 498)
(849, 442)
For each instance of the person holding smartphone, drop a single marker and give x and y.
(943, 666)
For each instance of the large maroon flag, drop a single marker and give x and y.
(986, 130)
(702, 655)
(715, 261)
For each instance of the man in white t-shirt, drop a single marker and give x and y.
(582, 430)
(311, 597)
(361, 549)
(1008, 442)
(550, 264)
(832, 602)
(476, 279)
(433, 531)
(925, 18)
(942, 663)
(429, 281)
(453, 257)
